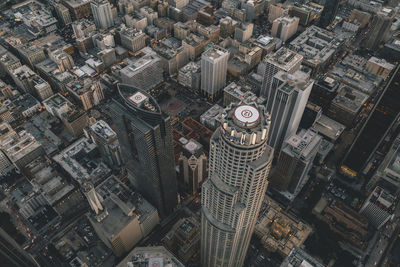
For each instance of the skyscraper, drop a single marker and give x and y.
(107, 142)
(329, 13)
(145, 136)
(214, 65)
(192, 166)
(284, 27)
(288, 104)
(102, 15)
(283, 59)
(380, 27)
(240, 160)
(295, 161)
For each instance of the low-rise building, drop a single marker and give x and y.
(150, 256)
(346, 105)
(299, 258)
(126, 217)
(189, 75)
(353, 71)
(317, 46)
(280, 232)
(82, 161)
(20, 147)
(379, 67)
(144, 73)
(343, 220)
(184, 239)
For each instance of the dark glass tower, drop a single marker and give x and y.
(145, 136)
(329, 12)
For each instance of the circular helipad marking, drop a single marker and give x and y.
(247, 114)
(191, 146)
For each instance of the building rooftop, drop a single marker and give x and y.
(328, 127)
(240, 93)
(122, 206)
(284, 58)
(56, 101)
(300, 258)
(327, 83)
(150, 256)
(103, 130)
(76, 3)
(352, 71)
(350, 99)
(214, 53)
(192, 67)
(382, 63)
(316, 45)
(212, 117)
(82, 161)
(26, 101)
(302, 144)
(45, 178)
(279, 231)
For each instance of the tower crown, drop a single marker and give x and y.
(245, 124)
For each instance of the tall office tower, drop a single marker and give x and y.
(329, 13)
(380, 27)
(292, 92)
(295, 161)
(107, 142)
(214, 65)
(275, 11)
(285, 60)
(63, 14)
(285, 27)
(145, 136)
(11, 254)
(244, 31)
(192, 166)
(232, 195)
(102, 15)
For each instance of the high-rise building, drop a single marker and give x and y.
(295, 161)
(214, 66)
(63, 14)
(102, 15)
(132, 39)
(145, 136)
(284, 27)
(276, 11)
(107, 142)
(243, 32)
(144, 72)
(285, 60)
(192, 166)
(78, 8)
(232, 195)
(380, 27)
(329, 13)
(289, 102)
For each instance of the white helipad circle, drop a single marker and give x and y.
(191, 146)
(247, 114)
